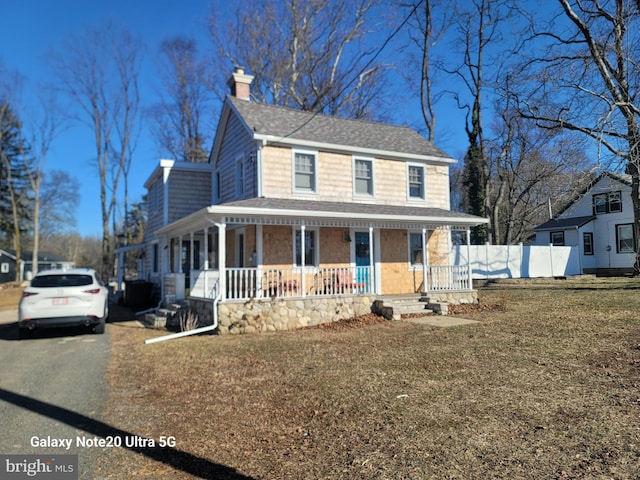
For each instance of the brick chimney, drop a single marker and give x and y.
(240, 84)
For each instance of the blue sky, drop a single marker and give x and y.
(30, 28)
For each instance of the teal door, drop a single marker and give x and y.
(363, 260)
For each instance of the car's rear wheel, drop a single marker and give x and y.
(24, 333)
(99, 328)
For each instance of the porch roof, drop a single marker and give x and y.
(279, 211)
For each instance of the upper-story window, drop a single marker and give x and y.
(240, 177)
(363, 176)
(415, 175)
(607, 202)
(304, 166)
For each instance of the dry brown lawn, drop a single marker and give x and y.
(546, 386)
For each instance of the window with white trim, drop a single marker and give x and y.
(310, 248)
(415, 180)
(625, 238)
(363, 176)
(240, 177)
(415, 249)
(587, 243)
(557, 238)
(304, 168)
(610, 202)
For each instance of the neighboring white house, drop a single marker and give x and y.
(600, 223)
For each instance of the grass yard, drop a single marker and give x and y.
(546, 386)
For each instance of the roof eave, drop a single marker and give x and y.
(294, 142)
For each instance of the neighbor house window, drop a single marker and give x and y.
(310, 247)
(305, 171)
(363, 176)
(557, 238)
(415, 248)
(587, 243)
(607, 203)
(416, 181)
(625, 239)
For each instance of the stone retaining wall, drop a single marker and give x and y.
(283, 314)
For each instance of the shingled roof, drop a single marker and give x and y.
(288, 125)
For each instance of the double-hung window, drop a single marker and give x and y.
(625, 238)
(363, 176)
(557, 239)
(304, 171)
(415, 175)
(587, 242)
(610, 202)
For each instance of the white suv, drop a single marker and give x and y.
(63, 298)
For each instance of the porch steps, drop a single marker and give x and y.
(393, 307)
(167, 317)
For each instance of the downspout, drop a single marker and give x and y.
(217, 296)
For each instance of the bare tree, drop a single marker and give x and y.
(587, 80)
(479, 28)
(309, 55)
(43, 133)
(58, 202)
(179, 117)
(99, 72)
(430, 20)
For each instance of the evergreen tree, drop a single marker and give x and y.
(15, 196)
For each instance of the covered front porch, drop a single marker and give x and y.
(245, 251)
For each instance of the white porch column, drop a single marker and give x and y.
(302, 256)
(259, 260)
(222, 258)
(371, 276)
(191, 255)
(425, 252)
(206, 249)
(120, 271)
(469, 258)
(205, 261)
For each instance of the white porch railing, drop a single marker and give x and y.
(245, 283)
(448, 277)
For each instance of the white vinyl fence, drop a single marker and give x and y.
(517, 261)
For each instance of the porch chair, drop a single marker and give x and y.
(345, 282)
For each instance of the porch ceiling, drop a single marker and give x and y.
(277, 211)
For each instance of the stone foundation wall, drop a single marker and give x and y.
(254, 316)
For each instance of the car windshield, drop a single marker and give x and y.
(70, 280)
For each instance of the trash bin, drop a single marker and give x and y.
(138, 294)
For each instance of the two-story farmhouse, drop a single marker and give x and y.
(600, 223)
(300, 218)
